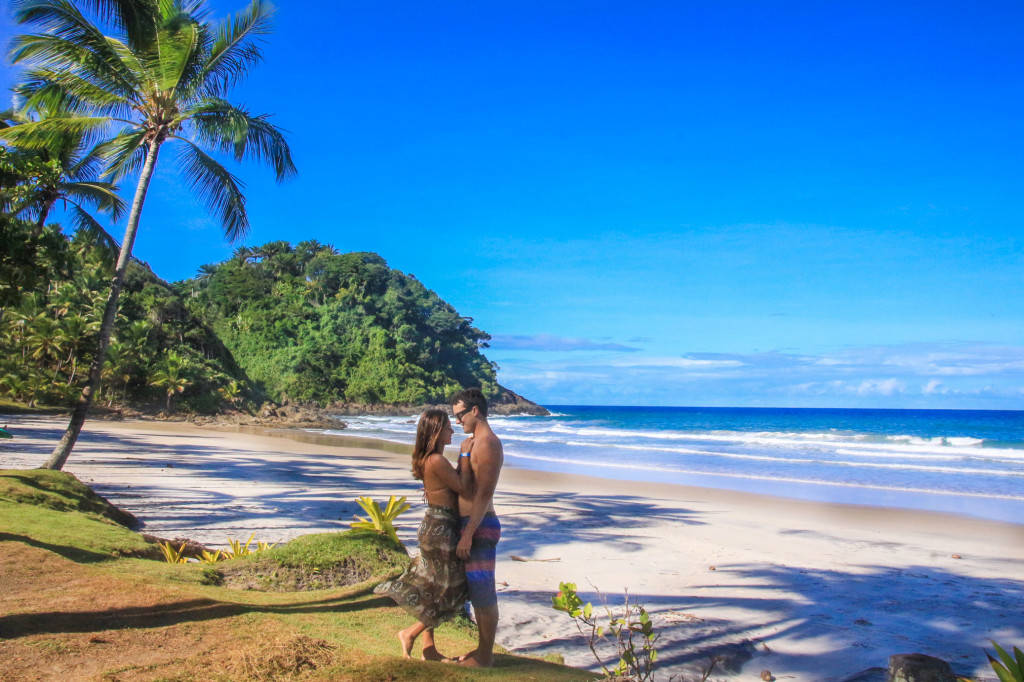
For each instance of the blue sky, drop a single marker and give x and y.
(663, 203)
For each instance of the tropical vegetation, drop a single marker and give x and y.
(152, 73)
(309, 324)
(52, 294)
(276, 322)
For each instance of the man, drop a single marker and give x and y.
(480, 527)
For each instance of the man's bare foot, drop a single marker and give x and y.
(407, 643)
(471, 654)
(471, 661)
(430, 653)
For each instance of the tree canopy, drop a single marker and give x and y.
(307, 323)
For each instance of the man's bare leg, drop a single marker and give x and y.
(487, 627)
(408, 636)
(430, 652)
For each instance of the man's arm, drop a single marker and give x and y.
(486, 467)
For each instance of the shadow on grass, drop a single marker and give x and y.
(77, 554)
(163, 615)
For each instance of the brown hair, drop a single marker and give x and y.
(471, 397)
(428, 435)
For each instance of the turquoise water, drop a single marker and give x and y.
(960, 461)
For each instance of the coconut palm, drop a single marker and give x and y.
(66, 171)
(169, 377)
(161, 79)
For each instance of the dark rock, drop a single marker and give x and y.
(919, 668)
(869, 675)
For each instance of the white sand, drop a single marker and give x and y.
(809, 591)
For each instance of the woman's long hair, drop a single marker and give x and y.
(428, 433)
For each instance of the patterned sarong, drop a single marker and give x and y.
(433, 588)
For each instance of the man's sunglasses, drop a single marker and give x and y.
(460, 415)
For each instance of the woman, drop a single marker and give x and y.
(433, 588)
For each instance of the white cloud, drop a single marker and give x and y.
(880, 387)
(907, 375)
(678, 362)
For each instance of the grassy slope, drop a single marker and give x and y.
(75, 606)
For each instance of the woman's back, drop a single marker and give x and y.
(437, 474)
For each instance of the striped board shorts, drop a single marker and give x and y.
(480, 566)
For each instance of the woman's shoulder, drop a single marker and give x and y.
(436, 459)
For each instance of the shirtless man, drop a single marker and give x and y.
(480, 527)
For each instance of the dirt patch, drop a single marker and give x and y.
(272, 659)
(191, 547)
(63, 621)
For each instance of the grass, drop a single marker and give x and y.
(317, 561)
(75, 600)
(55, 511)
(11, 407)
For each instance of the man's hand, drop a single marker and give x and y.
(465, 543)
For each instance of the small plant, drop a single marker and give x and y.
(633, 633)
(237, 548)
(210, 557)
(1009, 669)
(171, 555)
(380, 520)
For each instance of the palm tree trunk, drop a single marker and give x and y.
(60, 453)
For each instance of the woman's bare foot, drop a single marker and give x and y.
(407, 642)
(430, 653)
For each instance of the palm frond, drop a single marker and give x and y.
(13, 117)
(233, 130)
(81, 219)
(175, 49)
(216, 187)
(65, 55)
(134, 17)
(61, 20)
(124, 153)
(47, 90)
(86, 163)
(51, 133)
(235, 49)
(102, 195)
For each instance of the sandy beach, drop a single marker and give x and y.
(806, 590)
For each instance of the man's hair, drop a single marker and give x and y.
(470, 397)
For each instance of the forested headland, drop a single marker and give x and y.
(281, 323)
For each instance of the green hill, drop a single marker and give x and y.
(310, 324)
(286, 323)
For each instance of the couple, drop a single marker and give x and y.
(459, 531)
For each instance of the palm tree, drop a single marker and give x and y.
(161, 79)
(169, 377)
(67, 171)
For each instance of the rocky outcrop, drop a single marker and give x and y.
(510, 402)
(310, 416)
(507, 403)
(919, 668)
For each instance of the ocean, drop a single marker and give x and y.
(960, 461)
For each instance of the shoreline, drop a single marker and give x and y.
(970, 504)
(811, 590)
